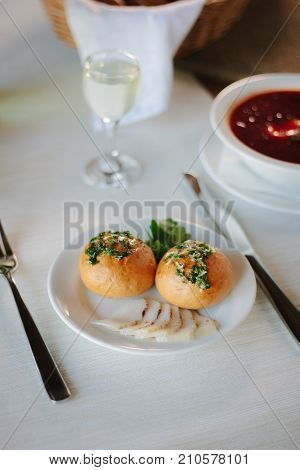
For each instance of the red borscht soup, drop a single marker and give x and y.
(270, 124)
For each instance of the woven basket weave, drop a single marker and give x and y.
(216, 18)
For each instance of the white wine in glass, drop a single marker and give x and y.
(110, 83)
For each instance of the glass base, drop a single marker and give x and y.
(114, 174)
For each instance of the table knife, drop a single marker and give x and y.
(235, 233)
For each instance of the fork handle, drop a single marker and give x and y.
(52, 379)
(288, 312)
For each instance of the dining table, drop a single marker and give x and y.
(240, 392)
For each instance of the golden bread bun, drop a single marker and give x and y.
(124, 268)
(175, 276)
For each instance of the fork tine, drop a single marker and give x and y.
(7, 247)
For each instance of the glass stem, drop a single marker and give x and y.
(111, 133)
(111, 163)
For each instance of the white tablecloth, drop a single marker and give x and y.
(203, 399)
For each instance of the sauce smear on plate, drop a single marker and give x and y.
(270, 124)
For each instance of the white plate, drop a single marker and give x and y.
(79, 308)
(228, 170)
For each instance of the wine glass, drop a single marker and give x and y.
(110, 82)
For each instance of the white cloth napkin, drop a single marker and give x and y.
(151, 34)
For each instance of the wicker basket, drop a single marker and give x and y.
(216, 18)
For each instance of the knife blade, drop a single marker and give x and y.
(234, 232)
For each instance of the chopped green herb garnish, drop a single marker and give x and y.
(116, 244)
(190, 258)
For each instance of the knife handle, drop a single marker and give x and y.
(289, 313)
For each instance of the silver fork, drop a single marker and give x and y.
(52, 378)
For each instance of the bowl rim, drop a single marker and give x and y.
(228, 137)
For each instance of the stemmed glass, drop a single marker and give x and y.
(110, 83)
